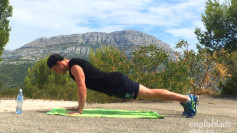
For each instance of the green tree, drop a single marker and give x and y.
(41, 82)
(230, 86)
(149, 66)
(220, 21)
(5, 13)
(205, 70)
(110, 59)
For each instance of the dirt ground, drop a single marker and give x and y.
(215, 115)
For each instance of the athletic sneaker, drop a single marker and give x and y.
(185, 113)
(190, 109)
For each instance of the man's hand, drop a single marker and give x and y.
(73, 113)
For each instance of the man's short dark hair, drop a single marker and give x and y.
(53, 59)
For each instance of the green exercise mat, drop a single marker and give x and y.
(108, 113)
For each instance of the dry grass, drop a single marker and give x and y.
(206, 92)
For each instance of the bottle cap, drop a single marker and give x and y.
(20, 90)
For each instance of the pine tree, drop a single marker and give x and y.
(5, 13)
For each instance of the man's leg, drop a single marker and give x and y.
(161, 94)
(189, 102)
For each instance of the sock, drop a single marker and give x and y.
(188, 100)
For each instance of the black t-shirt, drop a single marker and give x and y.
(105, 82)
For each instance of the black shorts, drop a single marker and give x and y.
(127, 89)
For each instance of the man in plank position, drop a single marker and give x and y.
(114, 84)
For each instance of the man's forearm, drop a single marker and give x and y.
(82, 100)
(81, 104)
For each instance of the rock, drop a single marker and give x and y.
(80, 44)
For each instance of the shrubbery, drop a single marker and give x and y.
(149, 66)
(230, 86)
(43, 83)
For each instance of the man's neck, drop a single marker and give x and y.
(66, 63)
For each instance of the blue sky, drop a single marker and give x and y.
(167, 20)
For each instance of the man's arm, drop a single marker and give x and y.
(79, 75)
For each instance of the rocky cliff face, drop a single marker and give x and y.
(80, 44)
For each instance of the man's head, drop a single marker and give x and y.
(53, 60)
(55, 63)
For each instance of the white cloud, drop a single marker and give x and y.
(45, 18)
(49, 13)
(183, 33)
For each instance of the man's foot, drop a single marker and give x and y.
(190, 108)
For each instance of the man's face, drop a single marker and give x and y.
(58, 68)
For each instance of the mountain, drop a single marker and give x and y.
(15, 63)
(80, 44)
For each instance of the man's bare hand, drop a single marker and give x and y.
(73, 113)
(73, 109)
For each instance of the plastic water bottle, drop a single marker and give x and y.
(20, 98)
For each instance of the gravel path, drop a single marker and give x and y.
(215, 115)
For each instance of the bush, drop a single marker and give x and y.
(43, 83)
(230, 86)
(108, 59)
(9, 93)
(153, 68)
(149, 66)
